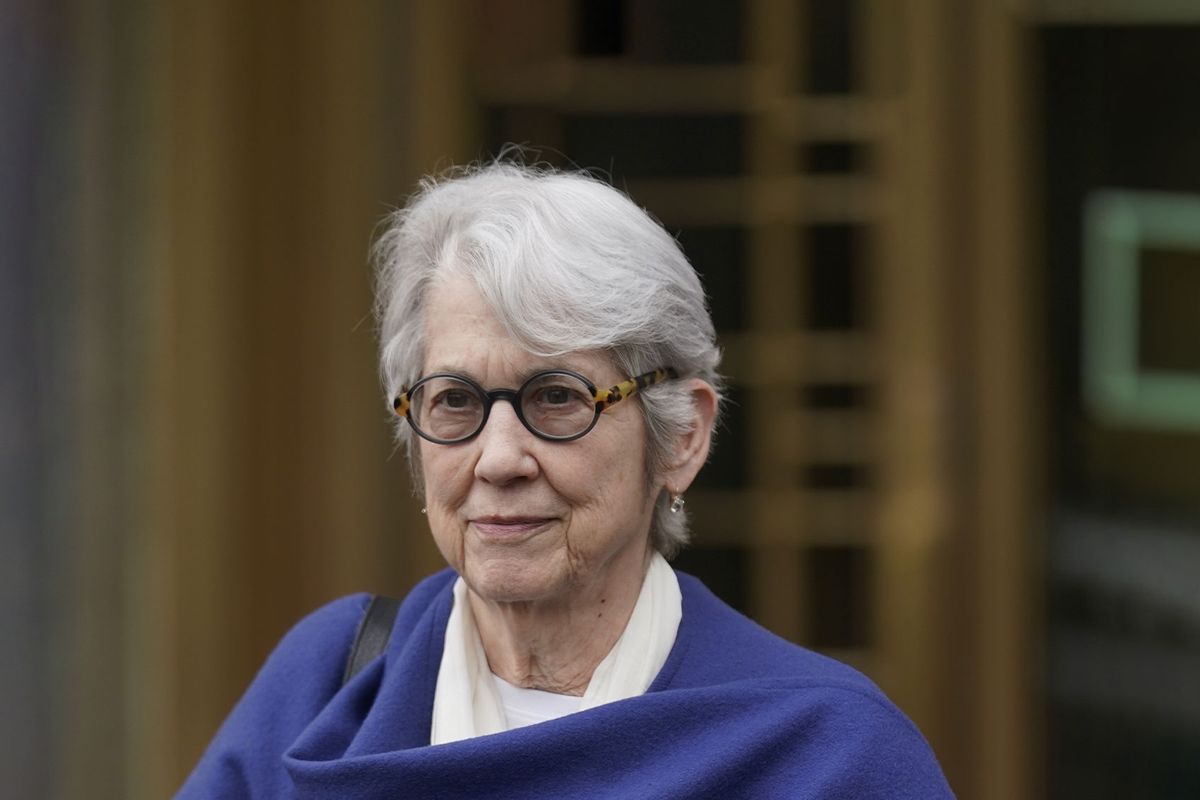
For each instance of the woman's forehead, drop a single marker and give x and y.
(464, 335)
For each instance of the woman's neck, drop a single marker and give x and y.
(556, 645)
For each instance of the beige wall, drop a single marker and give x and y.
(239, 158)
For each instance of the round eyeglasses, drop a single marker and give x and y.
(558, 405)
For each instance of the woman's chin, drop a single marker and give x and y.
(513, 580)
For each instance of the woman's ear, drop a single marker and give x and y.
(691, 448)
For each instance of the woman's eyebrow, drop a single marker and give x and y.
(449, 370)
(521, 377)
(553, 366)
(464, 373)
(538, 370)
(557, 366)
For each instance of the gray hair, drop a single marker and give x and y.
(568, 264)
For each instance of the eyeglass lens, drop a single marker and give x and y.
(552, 404)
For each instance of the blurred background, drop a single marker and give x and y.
(953, 251)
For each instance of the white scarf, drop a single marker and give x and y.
(466, 702)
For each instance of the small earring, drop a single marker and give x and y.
(677, 503)
(423, 509)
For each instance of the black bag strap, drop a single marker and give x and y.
(373, 634)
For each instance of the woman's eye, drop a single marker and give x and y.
(559, 397)
(455, 399)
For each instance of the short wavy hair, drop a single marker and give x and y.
(569, 264)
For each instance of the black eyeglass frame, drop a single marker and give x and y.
(602, 399)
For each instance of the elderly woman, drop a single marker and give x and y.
(552, 365)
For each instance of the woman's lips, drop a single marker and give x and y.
(500, 527)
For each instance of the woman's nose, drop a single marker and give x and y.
(504, 447)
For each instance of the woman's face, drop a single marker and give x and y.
(520, 518)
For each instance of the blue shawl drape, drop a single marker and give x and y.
(735, 712)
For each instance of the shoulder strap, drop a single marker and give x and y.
(373, 634)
